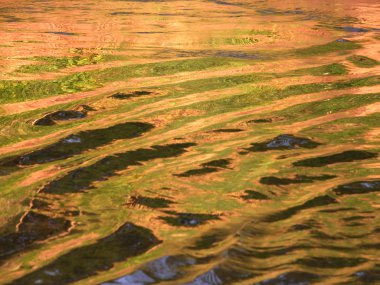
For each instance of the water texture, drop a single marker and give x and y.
(190, 142)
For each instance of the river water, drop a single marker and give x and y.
(198, 142)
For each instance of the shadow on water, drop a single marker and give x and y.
(298, 179)
(282, 142)
(78, 143)
(346, 156)
(128, 241)
(366, 276)
(320, 201)
(155, 203)
(254, 195)
(36, 227)
(82, 178)
(209, 240)
(187, 219)
(165, 268)
(291, 278)
(33, 227)
(359, 187)
(331, 262)
(49, 119)
(265, 120)
(227, 130)
(206, 168)
(123, 96)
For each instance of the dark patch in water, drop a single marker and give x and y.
(260, 121)
(123, 96)
(331, 262)
(80, 142)
(359, 187)
(265, 120)
(128, 241)
(154, 203)
(40, 204)
(227, 130)
(315, 202)
(49, 119)
(208, 167)
(370, 276)
(337, 210)
(282, 142)
(209, 240)
(277, 12)
(33, 227)
(62, 33)
(198, 172)
(346, 156)
(44, 121)
(291, 278)
(187, 219)
(238, 54)
(67, 115)
(342, 41)
(161, 269)
(363, 61)
(254, 195)
(222, 163)
(354, 29)
(272, 180)
(82, 178)
(300, 227)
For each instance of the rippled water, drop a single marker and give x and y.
(190, 142)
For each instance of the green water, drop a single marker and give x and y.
(190, 142)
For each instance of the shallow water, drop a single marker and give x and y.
(189, 142)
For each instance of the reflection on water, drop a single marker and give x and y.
(201, 142)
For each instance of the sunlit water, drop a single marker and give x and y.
(190, 142)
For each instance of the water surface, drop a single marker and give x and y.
(189, 142)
